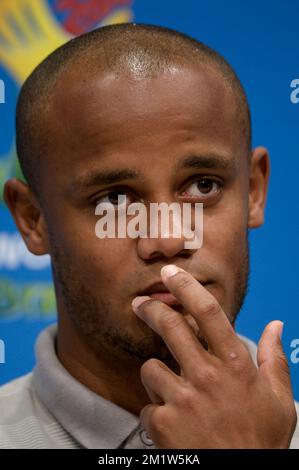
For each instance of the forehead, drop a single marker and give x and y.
(94, 116)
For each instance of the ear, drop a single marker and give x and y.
(258, 186)
(27, 215)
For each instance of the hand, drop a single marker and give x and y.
(221, 399)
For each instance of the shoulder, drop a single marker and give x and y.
(14, 397)
(25, 422)
(20, 414)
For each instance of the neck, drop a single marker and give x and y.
(115, 379)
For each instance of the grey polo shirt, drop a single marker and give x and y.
(49, 408)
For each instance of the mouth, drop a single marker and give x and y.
(158, 291)
(165, 297)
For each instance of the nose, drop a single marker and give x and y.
(151, 248)
(167, 241)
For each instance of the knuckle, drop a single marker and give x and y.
(205, 378)
(170, 320)
(159, 420)
(210, 310)
(285, 372)
(283, 362)
(208, 376)
(242, 367)
(241, 364)
(149, 367)
(185, 397)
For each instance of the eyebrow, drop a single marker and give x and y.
(209, 160)
(103, 178)
(92, 178)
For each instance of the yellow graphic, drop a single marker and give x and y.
(29, 32)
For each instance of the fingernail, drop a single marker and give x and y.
(169, 270)
(138, 301)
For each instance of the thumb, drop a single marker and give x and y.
(272, 362)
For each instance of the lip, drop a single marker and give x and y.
(159, 291)
(165, 297)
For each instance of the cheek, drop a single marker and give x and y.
(225, 235)
(101, 261)
(74, 232)
(224, 252)
(113, 257)
(109, 262)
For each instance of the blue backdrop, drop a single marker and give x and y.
(261, 41)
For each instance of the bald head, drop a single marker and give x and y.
(143, 51)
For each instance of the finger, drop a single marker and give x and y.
(152, 395)
(272, 362)
(175, 331)
(156, 399)
(146, 417)
(159, 381)
(203, 306)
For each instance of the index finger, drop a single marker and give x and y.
(206, 310)
(175, 331)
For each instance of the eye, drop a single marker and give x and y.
(118, 198)
(203, 188)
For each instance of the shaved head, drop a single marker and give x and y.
(144, 51)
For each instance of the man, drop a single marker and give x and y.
(154, 115)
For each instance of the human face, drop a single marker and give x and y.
(154, 139)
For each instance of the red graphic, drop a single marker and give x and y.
(82, 16)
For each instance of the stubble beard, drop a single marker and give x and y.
(83, 307)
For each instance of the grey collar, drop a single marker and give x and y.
(93, 421)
